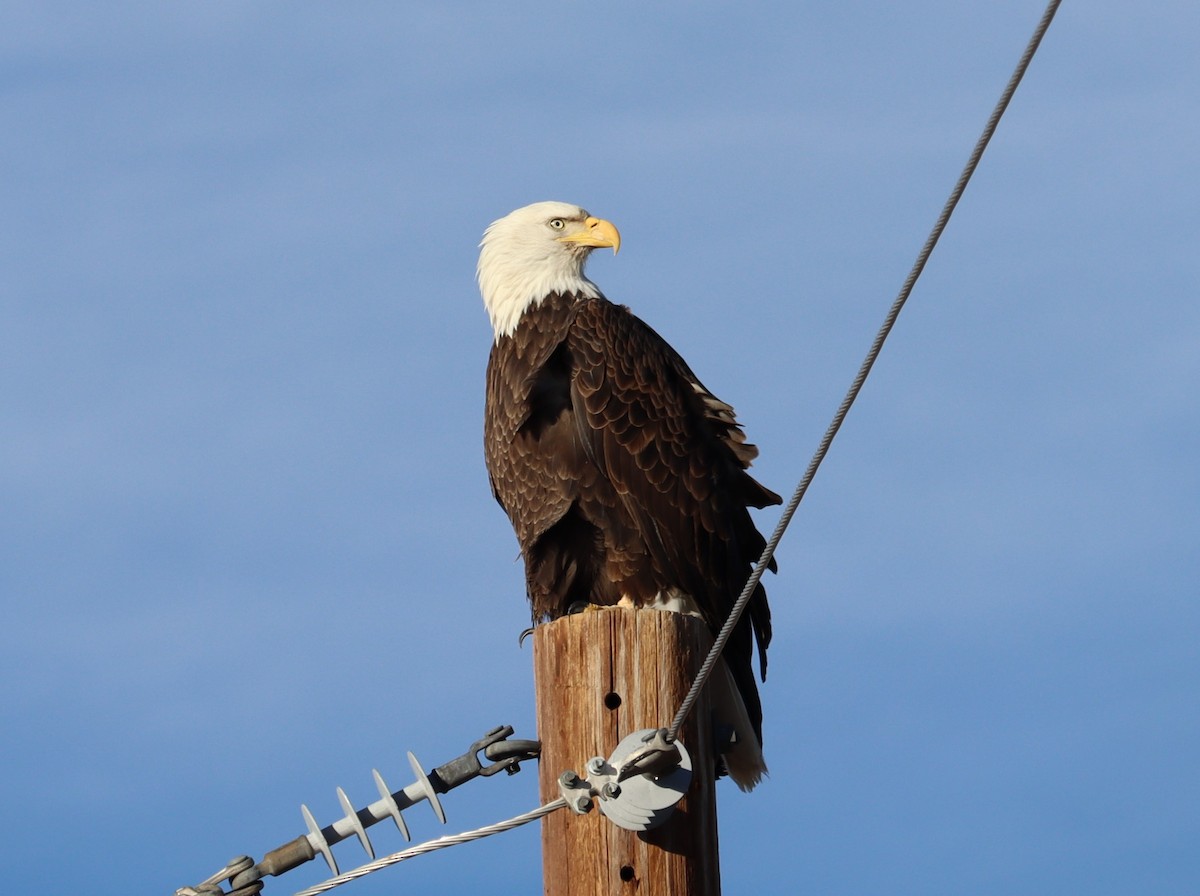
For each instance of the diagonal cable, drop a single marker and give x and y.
(893, 313)
(433, 845)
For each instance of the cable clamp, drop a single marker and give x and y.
(642, 782)
(576, 791)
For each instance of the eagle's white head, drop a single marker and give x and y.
(535, 251)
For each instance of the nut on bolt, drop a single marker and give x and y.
(610, 791)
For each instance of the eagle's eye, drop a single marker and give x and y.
(557, 223)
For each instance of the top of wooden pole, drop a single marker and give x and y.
(601, 675)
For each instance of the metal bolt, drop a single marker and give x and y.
(595, 765)
(585, 804)
(610, 791)
(568, 779)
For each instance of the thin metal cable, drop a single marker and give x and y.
(822, 449)
(434, 845)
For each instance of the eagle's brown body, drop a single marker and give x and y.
(623, 476)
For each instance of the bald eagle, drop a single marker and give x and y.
(622, 475)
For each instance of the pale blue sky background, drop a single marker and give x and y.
(248, 550)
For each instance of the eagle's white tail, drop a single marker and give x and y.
(744, 757)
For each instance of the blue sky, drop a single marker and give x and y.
(248, 551)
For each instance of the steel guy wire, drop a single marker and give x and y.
(434, 845)
(893, 313)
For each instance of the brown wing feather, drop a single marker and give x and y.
(528, 486)
(560, 505)
(622, 474)
(677, 458)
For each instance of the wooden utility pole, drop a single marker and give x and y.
(601, 675)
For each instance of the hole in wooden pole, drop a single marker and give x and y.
(627, 873)
(612, 700)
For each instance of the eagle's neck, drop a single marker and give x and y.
(511, 283)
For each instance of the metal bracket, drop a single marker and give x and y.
(642, 782)
(653, 755)
(577, 792)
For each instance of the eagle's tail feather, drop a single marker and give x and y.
(743, 757)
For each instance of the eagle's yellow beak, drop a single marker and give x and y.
(597, 234)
